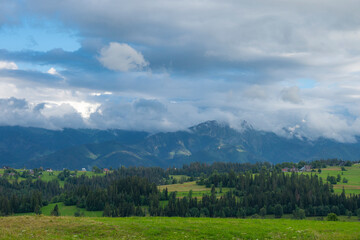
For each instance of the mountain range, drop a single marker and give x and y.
(206, 142)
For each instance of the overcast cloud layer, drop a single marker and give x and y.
(291, 67)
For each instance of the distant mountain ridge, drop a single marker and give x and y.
(206, 142)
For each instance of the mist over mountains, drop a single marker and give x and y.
(206, 142)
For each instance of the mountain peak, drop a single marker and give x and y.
(212, 129)
(244, 125)
(211, 124)
(214, 125)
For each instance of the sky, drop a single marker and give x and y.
(290, 67)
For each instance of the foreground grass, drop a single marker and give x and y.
(41, 227)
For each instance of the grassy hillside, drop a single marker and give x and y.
(47, 176)
(352, 174)
(69, 210)
(64, 211)
(30, 227)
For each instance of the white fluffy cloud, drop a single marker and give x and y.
(52, 71)
(8, 65)
(121, 57)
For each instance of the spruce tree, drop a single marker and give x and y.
(55, 212)
(278, 211)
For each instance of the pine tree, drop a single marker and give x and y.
(55, 212)
(107, 211)
(278, 211)
(37, 210)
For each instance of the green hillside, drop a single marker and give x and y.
(352, 174)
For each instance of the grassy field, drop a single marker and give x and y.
(198, 190)
(178, 177)
(69, 210)
(41, 227)
(352, 174)
(64, 211)
(47, 176)
(185, 187)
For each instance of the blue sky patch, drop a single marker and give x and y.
(33, 35)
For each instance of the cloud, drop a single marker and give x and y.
(121, 57)
(149, 106)
(256, 91)
(20, 112)
(291, 94)
(225, 60)
(52, 71)
(8, 65)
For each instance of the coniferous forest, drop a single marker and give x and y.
(259, 189)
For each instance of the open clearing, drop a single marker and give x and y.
(184, 188)
(64, 211)
(48, 176)
(69, 210)
(352, 174)
(40, 227)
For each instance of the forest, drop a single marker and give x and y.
(253, 190)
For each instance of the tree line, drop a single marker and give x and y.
(255, 189)
(290, 191)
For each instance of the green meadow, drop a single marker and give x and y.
(69, 210)
(183, 189)
(352, 174)
(64, 211)
(48, 176)
(42, 227)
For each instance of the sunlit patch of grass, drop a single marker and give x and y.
(69, 210)
(352, 174)
(197, 190)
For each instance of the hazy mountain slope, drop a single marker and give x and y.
(19, 145)
(104, 154)
(207, 142)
